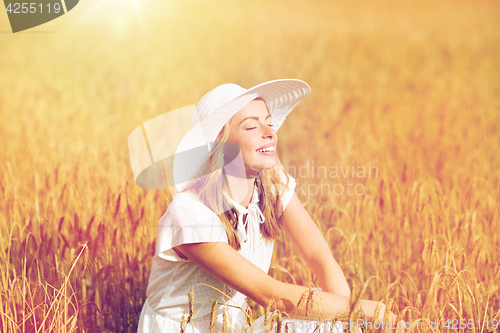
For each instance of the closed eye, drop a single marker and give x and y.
(251, 128)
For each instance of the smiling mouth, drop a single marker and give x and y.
(269, 149)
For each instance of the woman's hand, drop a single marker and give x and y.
(389, 325)
(226, 264)
(310, 243)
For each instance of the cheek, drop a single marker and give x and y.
(248, 150)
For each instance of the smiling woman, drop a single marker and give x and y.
(251, 129)
(215, 241)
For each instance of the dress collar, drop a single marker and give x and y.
(253, 211)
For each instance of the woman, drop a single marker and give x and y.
(215, 240)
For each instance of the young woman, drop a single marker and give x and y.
(215, 240)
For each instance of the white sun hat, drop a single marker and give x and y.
(217, 107)
(169, 149)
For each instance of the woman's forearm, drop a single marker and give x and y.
(332, 278)
(321, 262)
(301, 303)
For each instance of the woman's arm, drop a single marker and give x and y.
(312, 247)
(226, 264)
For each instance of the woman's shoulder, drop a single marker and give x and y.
(288, 186)
(185, 200)
(286, 178)
(283, 180)
(187, 220)
(185, 208)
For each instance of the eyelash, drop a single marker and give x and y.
(251, 128)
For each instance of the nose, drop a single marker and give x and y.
(268, 132)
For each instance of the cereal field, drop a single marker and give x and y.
(396, 151)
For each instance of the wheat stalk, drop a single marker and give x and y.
(191, 306)
(213, 315)
(224, 321)
(249, 318)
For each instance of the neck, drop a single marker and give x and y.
(239, 189)
(239, 181)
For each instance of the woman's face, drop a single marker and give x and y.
(251, 130)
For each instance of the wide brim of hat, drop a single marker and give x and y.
(281, 97)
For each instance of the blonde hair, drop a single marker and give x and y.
(208, 190)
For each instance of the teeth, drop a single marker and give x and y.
(267, 149)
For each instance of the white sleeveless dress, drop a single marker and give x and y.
(189, 221)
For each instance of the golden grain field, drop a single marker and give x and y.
(408, 88)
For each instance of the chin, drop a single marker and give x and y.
(261, 166)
